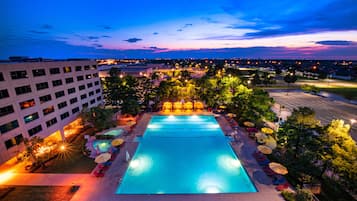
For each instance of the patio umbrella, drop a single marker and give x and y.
(248, 124)
(270, 142)
(278, 168)
(117, 142)
(131, 123)
(260, 135)
(267, 130)
(231, 115)
(102, 158)
(264, 149)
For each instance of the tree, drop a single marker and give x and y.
(339, 153)
(32, 147)
(99, 118)
(290, 78)
(111, 87)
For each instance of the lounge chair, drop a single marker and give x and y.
(269, 172)
(282, 187)
(277, 180)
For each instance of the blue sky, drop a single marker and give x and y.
(320, 29)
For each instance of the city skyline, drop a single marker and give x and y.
(324, 29)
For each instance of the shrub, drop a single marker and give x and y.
(304, 195)
(288, 195)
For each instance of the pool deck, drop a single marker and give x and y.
(103, 189)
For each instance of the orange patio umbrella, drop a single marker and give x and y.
(267, 130)
(278, 168)
(248, 124)
(264, 149)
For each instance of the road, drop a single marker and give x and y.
(326, 109)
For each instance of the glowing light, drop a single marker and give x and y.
(194, 117)
(210, 184)
(229, 163)
(171, 118)
(6, 176)
(103, 144)
(153, 126)
(140, 164)
(63, 148)
(213, 126)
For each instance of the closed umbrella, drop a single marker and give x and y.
(278, 168)
(267, 130)
(248, 124)
(102, 158)
(117, 142)
(270, 142)
(264, 149)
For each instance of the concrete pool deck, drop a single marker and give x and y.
(103, 189)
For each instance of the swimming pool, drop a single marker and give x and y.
(102, 145)
(115, 132)
(184, 155)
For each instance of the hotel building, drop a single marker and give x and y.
(41, 98)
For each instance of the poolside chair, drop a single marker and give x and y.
(278, 179)
(269, 172)
(264, 162)
(282, 187)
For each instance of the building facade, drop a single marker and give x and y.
(41, 98)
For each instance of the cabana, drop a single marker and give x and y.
(177, 106)
(167, 107)
(188, 106)
(198, 105)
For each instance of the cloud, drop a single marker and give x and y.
(47, 26)
(187, 25)
(107, 27)
(133, 40)
(38, 32)
(155, 33)
(93, 37)
(105, 36)
(179, 30)
(223, 37)
(210, 20)
(336, 42)
(97, 45)
(280, 18)
(184, 27)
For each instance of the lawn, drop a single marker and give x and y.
(38, 193)
(73, 161)
(349, 93)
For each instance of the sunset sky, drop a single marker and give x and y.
(319, 29)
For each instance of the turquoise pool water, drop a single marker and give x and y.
(184, 155)
(115, 132)
(102, 145)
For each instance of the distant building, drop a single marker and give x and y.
(41, 98)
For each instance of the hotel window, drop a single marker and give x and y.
(9, 126)
(85, 105)
(78, 68)
(62, 105)
(69, 80)
(81, 87)
(23, 90)
(59, 94)
(14, 141)
(45, 98)
(31, 117)
(54, 71)
(27, 104)
(89, 85)
(1, 77)
(6, 110)
(97, 91)
(64, 115)
(38, 72)
(99, 98)
(95, 75)
(42, 85)
(86, 67)
(92, 101)
(48, 110)
(75, 110)
(89, 76)
(79, 78)
(18, 74)
(35, 130)
(51, 122)
(91, 93)
(71, 90)
(96, 83)
(83, 96)
(67, 69)
(73, 100)
(4, 93)
(56, 83)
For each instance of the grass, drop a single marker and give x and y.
(71, 161)
(349, 93)
(38, 193)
